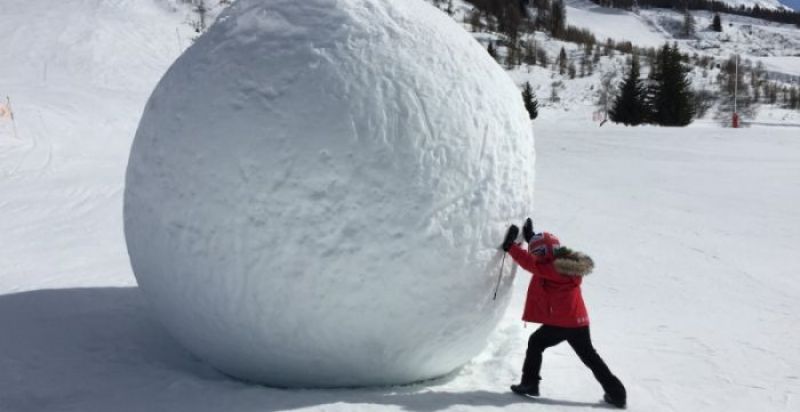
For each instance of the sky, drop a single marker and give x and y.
(795, 4)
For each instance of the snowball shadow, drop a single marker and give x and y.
(97, 349)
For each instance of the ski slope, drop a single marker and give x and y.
(693, 231)
(77, 75)
(609, 23)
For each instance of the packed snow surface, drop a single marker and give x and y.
(317, 189)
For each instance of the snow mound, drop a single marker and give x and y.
(317, 189)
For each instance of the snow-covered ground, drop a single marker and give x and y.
(693, 230)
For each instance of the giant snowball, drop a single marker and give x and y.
(317, 190)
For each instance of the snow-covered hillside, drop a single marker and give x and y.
(777, 45)
(766, 47)
(764, 4)
(694, 232)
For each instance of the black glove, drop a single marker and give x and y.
(511, 236)
(527, 230)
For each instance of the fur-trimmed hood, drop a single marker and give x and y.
(572, 263)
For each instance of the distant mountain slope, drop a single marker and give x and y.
(772, 43)
(793, 4)
(765, 4)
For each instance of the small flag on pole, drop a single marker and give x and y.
(5, 112)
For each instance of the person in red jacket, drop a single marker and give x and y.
(555, 301)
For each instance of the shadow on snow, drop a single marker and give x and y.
(97, 349)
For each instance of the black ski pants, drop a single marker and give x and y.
(581, 342)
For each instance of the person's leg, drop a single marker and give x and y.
(543, 338)
(581, 343)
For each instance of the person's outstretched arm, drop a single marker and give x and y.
(530, 262)
(523, 258)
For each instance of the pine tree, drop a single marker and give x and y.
(513, 56)
(541, 57)
(689, 24)
(716, 24)
(475, 20)
(492, 50)
(669, 96)
(629, 106)
(529, 52)
(562, 61)
(529, 98)
(542, 20)
(558, 18)
(509, 21)
(584, 66)
(773, 93)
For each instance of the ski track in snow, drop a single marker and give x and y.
(693, 230)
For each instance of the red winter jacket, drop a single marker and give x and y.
(553, 298)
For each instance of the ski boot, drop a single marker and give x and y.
(618, 402)
(529, 389)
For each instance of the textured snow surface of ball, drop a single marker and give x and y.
(317, 189)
